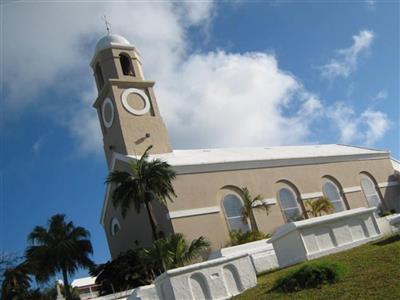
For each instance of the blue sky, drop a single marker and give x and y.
(247, 73)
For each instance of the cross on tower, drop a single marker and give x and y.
(108, 24)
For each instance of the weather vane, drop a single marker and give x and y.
(108, 24)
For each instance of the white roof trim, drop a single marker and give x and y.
(395, 164)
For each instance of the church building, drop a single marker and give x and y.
(208, 181)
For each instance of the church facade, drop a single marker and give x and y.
(209, 181)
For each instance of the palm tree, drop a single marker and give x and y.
(174, 251)
(16, 282)
(147, 180)
(319, 206)
(249, 203)
(61, 247)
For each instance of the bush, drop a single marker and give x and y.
(239, 237)
(311, 275)
(387, 213)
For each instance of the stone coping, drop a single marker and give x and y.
(287, 228)
(250, 248)
(199, 266)
(394, 219)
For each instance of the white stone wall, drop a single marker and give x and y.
(316, 237)
(389, 224)
(261, 252)
(147, 292)
(220, 278)
(120, 296)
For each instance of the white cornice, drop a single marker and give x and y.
(311, 195)
(388, 184)
(267, 201)
(193, 212)
(352, 189)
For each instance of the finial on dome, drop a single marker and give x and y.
(108, 24)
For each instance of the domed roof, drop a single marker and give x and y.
(111, 40)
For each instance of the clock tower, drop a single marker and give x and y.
(126, 105)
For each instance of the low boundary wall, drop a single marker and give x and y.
(219, 278)
(261, 252)
(316, 237)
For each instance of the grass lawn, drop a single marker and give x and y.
(373, 273)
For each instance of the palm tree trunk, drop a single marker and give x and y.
(66, 285)
(253, 222)
(152, 220)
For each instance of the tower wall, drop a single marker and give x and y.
(126, 105)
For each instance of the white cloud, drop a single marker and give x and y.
(37, 145)
(209, 99)
(370, 4)
(376, 123)
(366, 128)
(381, 95)
(235, 100)
(346, 59)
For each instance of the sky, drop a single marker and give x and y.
(228, 74)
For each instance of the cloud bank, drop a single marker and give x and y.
(212, 99)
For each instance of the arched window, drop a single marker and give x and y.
(99, 76)
(233, 213)
(289, 205)
(126, 65)
(114, 226)
(370, 191)
(332, 191)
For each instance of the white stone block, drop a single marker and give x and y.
(147, 292)
(261, 252)
(316, 237)
(220, 278)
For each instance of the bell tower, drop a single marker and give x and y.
(126, 105)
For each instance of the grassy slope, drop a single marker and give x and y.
(373, 273)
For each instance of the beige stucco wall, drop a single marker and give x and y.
(207, 190)
(203, 190)
(135, 229)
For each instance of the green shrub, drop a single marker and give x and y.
(239, 237)
(311, 275)
(387, 213)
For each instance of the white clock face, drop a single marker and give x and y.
(142, 95)
(107, 112)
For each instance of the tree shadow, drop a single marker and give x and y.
(389, 240)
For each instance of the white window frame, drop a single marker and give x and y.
(114, 221)
(297, 207)
(339, 192)
(234, 217)
(374, 188)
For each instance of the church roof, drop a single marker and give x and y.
(226, 155)
(223, 159)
